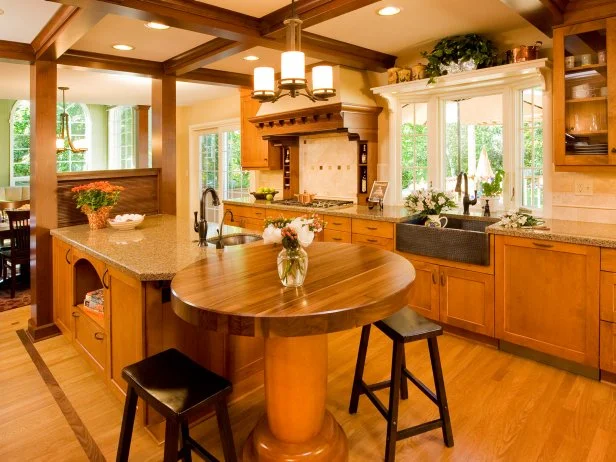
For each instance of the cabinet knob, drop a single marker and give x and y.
(613, 150)
(75, 314)
(99, 336)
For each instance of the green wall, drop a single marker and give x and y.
(98, 155)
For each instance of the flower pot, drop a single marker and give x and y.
(97, 219)
(292, 267)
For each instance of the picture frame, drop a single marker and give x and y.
(378, 191)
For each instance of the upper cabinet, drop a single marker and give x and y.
(585, 94)
(256, 154)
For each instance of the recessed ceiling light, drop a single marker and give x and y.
(251, 58)
(122, 47)
(156, 25)
(389, 11)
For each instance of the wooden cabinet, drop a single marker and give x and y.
(547, 297)
(333, 235)
(375, 241)
(582, 110)
(608, 346)
(375, 233)
(256, 152)
(424, 294)
(91, 338)
(466, 300)
(608, 296)
(63, 286)
(123, 305)
(249, 218)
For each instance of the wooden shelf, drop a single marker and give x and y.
(589, 133)
(586, 100)
(97, 318)
(589, 67)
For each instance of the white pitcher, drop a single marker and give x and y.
(435, 221)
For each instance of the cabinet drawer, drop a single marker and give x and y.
(91, 338)
(251, 224)
(608, 260)
(237, 211)
(373, 228)
(332, 235)
(277, 213)
(607, 353)
(257, 213)
(375, 241)
(338, 223)
(608, 296)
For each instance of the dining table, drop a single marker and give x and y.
(237, 291)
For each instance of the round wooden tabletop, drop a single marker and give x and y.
(237, 291)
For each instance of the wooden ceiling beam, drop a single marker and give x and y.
(63, 30)
(213, 76)
(205, 54)
(111, 63)
(311, 12)
(182, 14)
(16, 51)
(543, 14)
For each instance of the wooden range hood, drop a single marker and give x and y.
(358, 122)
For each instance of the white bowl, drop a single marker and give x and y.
(126, 225)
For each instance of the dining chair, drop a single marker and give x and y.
(19, 251)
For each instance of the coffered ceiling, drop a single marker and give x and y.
(23, 19)
(267, 57)
(256, 8)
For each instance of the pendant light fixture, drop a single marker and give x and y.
(64, 137)
(293, 71)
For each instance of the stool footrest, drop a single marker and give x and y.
(417, 429)
(422, 387)
(365, 389)
(193, 445)
(379, 386)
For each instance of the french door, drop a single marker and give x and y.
(220, 167)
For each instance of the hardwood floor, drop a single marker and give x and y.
(502, 407)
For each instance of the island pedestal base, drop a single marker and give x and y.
(296, 426)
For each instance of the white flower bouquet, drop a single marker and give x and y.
(519, 219)
(426, 202)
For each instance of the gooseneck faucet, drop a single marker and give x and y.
(201, 224)
(219, 244)
(466, 200)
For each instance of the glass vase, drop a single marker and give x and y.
(292, 267)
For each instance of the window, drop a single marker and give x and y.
(531, 147)
(67, 161)
(414, 147)
(122, 137)
(220, 165)
(79, 125)
(473, 125)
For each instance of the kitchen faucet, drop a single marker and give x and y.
(200, 225)
(466, 201)
(219, 244)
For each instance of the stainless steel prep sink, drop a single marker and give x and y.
(463, 240)
(234, 239)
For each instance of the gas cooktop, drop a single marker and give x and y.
(317, 203)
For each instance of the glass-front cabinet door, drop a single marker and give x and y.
(585, 94)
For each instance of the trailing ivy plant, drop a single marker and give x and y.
(459, 48)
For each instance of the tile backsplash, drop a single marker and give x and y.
(328, 166)
(571, 200)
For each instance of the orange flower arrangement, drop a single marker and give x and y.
(93, 196)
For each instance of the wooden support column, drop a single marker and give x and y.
(163, 139)
(143, 138)
(43, 198)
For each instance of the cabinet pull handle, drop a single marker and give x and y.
(372, 240)
(75, 314)
(443, 280)
(543, 246)
(105, 285)
(336, 223)
(336, 238)
(66, 256)
(434, 281)
(99, 336)
(613, 150)
(372, 228)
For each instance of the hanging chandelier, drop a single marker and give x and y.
(293, 71)
(64, 137)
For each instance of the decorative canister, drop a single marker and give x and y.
(404, 75)
(97, 219)
(418, 71)
(392, 75)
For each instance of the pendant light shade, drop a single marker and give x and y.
(293, 71)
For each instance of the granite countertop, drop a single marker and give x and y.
(155, 251)
(573, 232)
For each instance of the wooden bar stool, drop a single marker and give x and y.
(177, 388)
(403, 327)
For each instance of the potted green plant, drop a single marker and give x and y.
(457, 50)
(494, 187)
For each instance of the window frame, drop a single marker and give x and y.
(88, 136)
(114, 134)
